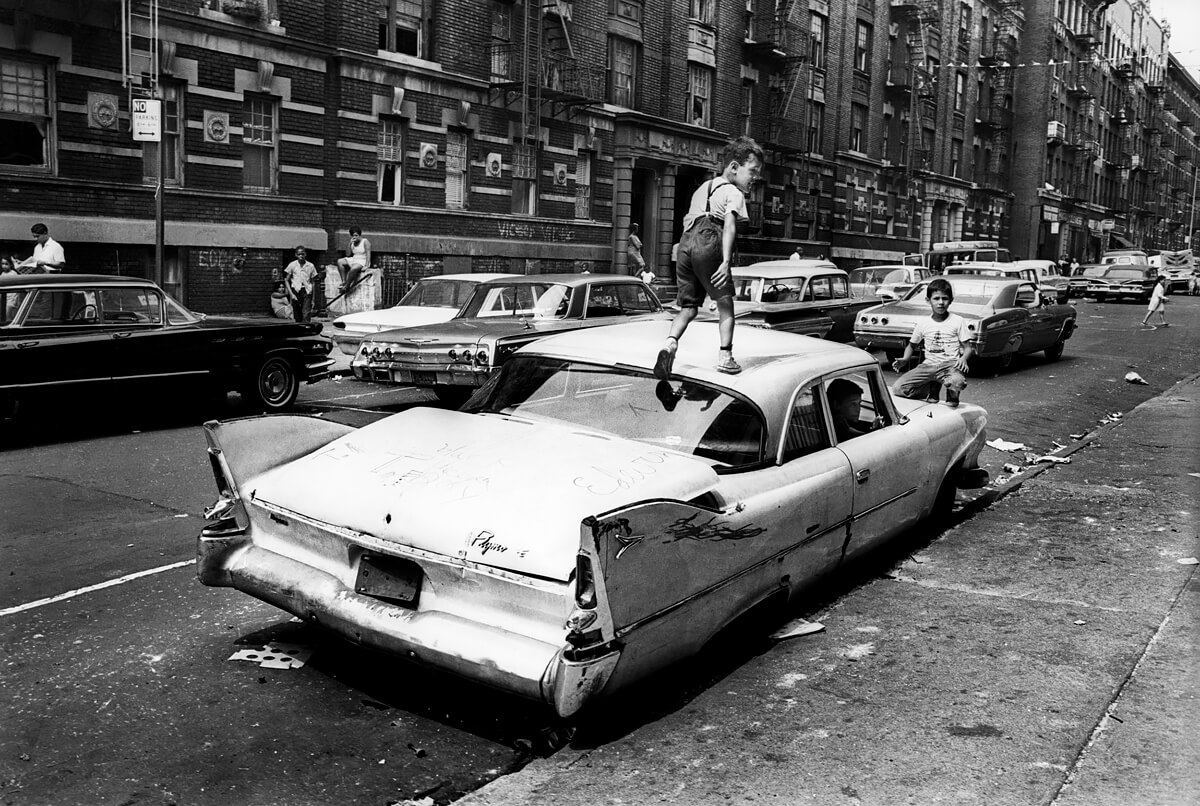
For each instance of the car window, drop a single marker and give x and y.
(1026, 296)
(131, 306)
(429, 293)
(63, 306)
(895, 276)
(782, 289)
(870, 415)
(537, 300)
(688, 417)
(636, 299)
(616, 299)
(10, 305)
(805, 431)
(179, 315)
(819, 288)
(743, 288)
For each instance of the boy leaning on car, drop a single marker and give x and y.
(948, 348)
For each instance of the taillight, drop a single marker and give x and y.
(585, 583)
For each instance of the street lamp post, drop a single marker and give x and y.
(1192, 217)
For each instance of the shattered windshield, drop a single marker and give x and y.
(684, 416)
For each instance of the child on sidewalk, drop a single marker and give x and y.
(706, 251)
(948, 348)
(1158, 303)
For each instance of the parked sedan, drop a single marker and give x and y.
(1078, 282)
(886, 282)
(456, 357)
(810, 297)
(430, 300)
(73, 336)
(1123, 280)
(579, 525)
(1007, 318)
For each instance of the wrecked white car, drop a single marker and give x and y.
(579, 524)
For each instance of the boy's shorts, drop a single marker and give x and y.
(699, 257)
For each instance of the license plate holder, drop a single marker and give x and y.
(392, 578)
(424, 377)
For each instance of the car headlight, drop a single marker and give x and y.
(482, 358)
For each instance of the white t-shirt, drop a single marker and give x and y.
(50, 252)
(725, 197)
(943, 340)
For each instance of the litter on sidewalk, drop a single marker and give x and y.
(1005, 445)
(1058, 460)
(1133, 377)
(796, 628)
(1188, 561)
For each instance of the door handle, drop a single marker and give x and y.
(862, 476)
(123, 335)
(812, 528)
(21, 344)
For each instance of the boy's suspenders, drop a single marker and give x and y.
(712, 188)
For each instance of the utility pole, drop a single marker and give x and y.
(1192, 217)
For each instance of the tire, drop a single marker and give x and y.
(1055, 351)
(943, 504)
(273, 386)
(1100, 297)
(453, 396)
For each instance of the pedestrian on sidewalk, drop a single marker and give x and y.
(949, 346)
(48, 255)
(281, 303)
(1158, 303)
(298, 281)
(356, 262)
(704, 267)
(634, 250)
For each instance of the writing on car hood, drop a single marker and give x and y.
(482, 488)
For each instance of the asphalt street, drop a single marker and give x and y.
(953, 671)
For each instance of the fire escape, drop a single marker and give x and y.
(140, 47)
(994, 115)
(539, 67)
(918, 83)
(1130, 161)
(1081, 89)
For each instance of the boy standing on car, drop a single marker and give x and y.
(704, 266)
(948, 348)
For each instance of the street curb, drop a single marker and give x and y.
(977, 505)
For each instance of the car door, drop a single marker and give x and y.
(59, 346)
(889, 465)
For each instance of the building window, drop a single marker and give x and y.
(956, 148)
(749, 32)
(858, 128)
(699, 95)
(402, 27)
(458, 176)
(702, 10)
(630, 10)
(862, 48)
(747, 106)
(172, 143)
(960, 92)
(526, 169)
(818, 27)
(260, 146)
(390, 152)
(816, 126)
(583, 185)
(622, 71)
(26, 122)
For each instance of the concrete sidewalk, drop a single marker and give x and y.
(1043, 652)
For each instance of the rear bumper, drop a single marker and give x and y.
(484, 653)
(888, 342)
(317, 370)
(453, 375)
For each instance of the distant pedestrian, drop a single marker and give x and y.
(1158, 303)
(718, 208)
(8, 265)
(948, 344)
(47, 254)
(298, 282)
(647, 275)
(356, 262)
(634, 251)
(797, 254)
(1074, 267)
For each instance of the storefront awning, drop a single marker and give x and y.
(140, 231)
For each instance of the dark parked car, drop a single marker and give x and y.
(456, 357)
(76, 335)
(1120, 280)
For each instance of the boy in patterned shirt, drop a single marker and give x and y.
(948, 348)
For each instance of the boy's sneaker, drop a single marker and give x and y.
(952, 398)
(728, 365)
(663, 364)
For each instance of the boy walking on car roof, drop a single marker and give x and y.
(948, 348)
(710, 227)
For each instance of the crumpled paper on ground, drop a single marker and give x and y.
(1133, 377)
(1005, 445)
(275, 655)
(796, 628)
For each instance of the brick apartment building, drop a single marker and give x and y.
(489, 135)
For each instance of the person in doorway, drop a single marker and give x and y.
(647, 275)
(298, 280)
(634, 250)
(1158, 304)
(718, 208)
(47, 254)
(797, 254)
(281, 303)
(356, 261)
(1074, 267)
(948, 345)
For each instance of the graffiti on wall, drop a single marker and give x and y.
(530, 231)
(227, 263)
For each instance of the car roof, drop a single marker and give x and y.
(772, 269)
(9, 280)
(571, 279)
(885, 267)
(762, 353)
(966, 281)
(481, 277)
(1006, 268)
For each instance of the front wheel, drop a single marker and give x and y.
(274, 385)
(1055, 351)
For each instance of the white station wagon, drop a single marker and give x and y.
(580, 524)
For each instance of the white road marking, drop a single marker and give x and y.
(8, 611)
